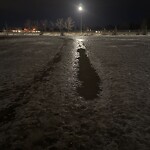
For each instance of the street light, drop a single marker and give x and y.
(80, 8)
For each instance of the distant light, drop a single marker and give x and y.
(80, 8)
(25, 29)
(14, 30)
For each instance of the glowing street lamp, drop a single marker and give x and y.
(80, 8)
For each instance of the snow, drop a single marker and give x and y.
(40, 106)
(124, 69)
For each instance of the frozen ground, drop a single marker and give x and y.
(42, 105)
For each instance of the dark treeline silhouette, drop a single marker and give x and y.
(66, 25)
(45, 25)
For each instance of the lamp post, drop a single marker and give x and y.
(80, 8)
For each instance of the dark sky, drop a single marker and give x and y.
(96, 13)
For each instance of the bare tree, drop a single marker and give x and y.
(44, 25)
(28, 24)
(69, 24)
(144, 27)
(115, 31)
(60, 25)
(52, 25)
(6, 29)
(35, 25)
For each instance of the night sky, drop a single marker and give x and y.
(96, 12)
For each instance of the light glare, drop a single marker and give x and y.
(80, 8)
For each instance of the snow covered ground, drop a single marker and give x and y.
(41, 107)
(123, 64)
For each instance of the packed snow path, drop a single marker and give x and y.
(41, 103)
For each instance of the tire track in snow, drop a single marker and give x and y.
(8, 114)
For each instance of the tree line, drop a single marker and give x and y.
(45, 25)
